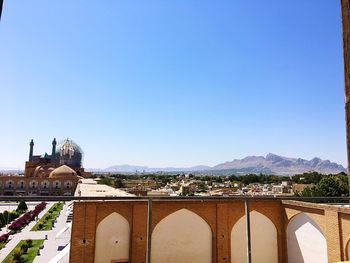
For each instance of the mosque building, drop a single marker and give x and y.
(55, 174)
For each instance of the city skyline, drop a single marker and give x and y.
(136, 84)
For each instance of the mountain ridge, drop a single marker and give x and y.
(271, 163)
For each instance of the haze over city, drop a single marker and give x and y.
(172, 83)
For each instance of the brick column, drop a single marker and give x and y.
(223, 233)
(139, 234)
(83, 233)
(333, 236)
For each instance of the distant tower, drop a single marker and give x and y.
(31, 150)
(53, 154)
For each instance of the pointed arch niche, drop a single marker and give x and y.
(305, 240)
(112, 239)
(264, 248)
(347, 250)
(182, 236)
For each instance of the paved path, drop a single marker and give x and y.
(24, 234)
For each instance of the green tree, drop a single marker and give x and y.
(2, 220)
(24, 247)
(201, 187)
(329, 185)
(13, 215)
(29, 242)
(118, 183)
(232, 178)
(17, 255)
(250, 178)
(106, 181)
(308, 178)
(6, 215)
(22, 206)
(333, 185)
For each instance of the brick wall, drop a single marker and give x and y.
(221, 215)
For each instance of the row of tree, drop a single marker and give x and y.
(7, 216)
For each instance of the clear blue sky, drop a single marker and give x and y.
(172, 83)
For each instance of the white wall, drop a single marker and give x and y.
(305, 241)
(112, 239)
(182, 237)
(264, 247)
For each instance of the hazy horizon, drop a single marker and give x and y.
(190, 166)
(172, 84)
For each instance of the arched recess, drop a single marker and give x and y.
(264, 248)
(305, 241)
(182, 236)
(112, 239)
(347, 250)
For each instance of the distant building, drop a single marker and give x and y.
(67, 153)
(55, 174)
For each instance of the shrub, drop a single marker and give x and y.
(13, 215)
(17, 255)
(6, 216)
(24, 248)
(22, 206)
(4, 237)
(16, 226)
(2, 219)
(29, 242)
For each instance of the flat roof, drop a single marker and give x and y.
(102, 190)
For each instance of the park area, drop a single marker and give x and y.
(48, 220)
(40, 233)
(25, 251)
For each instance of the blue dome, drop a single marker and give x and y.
(69, 153)
(68, 147)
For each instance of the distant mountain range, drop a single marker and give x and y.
(10, 170)
(270, 164)
(135, 168)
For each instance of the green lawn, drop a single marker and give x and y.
(45, 222)
(27, 257)
(3, 244)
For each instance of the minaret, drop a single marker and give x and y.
(31, 150)
(53, 154)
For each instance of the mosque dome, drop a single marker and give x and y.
(69, 153)
(62, 171)
(42, 171)
(68, 147)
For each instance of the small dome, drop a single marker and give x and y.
(42, 171)
(61, 171)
